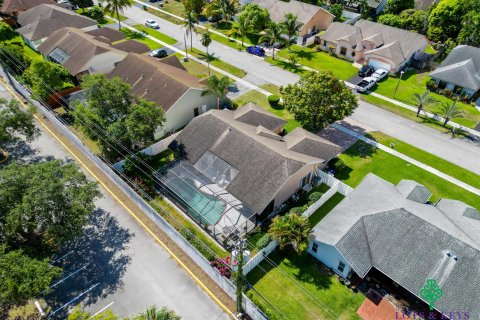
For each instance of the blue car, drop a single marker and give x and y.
(256, 51)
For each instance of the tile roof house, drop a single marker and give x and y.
(38, 23)
(167, 83)
(374, 44)
(270, 167)
(314, 18)
(460, 72)
(14, 7)
(83, 52)
(389, 229)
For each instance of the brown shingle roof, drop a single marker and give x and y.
(14, 6)
(107, 33)
(155, 81)
(43, 20)
(131, 46)
(278, 9)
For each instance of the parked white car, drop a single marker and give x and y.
(152, 24)
(365, 84)
(379, 74)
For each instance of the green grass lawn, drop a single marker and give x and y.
(299, 289)
(262, 101)
(413, 82)
(361, 159)
(219, 63)
(197, 69)
(156, 34)
(325, 209)
(320, 61)
(429, 159)
(129, 34)
(8, 35)
(164, 16)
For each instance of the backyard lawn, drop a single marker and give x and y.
(413, 82)
(361, 159)
(298, 289)
(325, 209)
(8, 35)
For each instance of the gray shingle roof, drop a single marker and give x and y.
(414, 191)
(258, 116)
(41, 21)
(264, 163)
(376, 226)
(461, 67)
(278, 9)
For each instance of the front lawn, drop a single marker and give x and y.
(362, 158)
(320, 61)
(132, 35)
(196, 69)
(218, 63)
(156, 34)
(298, 289)
(413, 82)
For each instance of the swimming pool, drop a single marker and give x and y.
(203, 207)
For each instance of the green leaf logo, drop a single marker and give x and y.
(431, 292)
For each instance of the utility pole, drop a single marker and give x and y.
(239, 282)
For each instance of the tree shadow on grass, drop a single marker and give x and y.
(289, 66)
(133, 35)
(308, 270)
(303, 54)
(101, 252)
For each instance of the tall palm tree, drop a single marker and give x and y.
(423, 100)
(117, 6)
(206, 41)
(218, 87)
(290, 230)
(228, 8)
(190, 25)
(449, 111)
(291, 26)
(272, 35)
(153, 313)
(241, 28)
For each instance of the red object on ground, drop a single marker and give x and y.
(384, 310)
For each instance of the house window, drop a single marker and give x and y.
(305, 180)
(324, 43)
(314, 247)
(343, 51)
(341, 266)
(196, 112)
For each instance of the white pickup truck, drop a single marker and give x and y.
(365, 84)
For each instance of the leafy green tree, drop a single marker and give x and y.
(391, 20)
(142, 121)
(218, 87)
(449, 111)
(97, 14)
(227, 8)
(255, 16)
(194, 5)
(241, 28)
(445, 20)
(153, 313)
(206, 41)
(12, 55)
(290, 230)
(423, 100)
(190, 25)
(470, 32)
(291, 26)
(82, 3)
(44, 205)
(336, 9)
(23, 277)
(272, 35)
(319, 99)
(414, 20)
(14, 121)
(46, 78)
(78, 314)
(115, 6)
(397, 6)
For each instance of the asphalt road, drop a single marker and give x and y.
(116, 263)
(457, 151)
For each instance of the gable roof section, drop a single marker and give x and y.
(78, 45)
(278, 9)
(106, 34)
(12, 6)
(131, 46)
(43, 20)
(414, 191)
(257, 116)
(461, 67)
(263, 160)
(162, 83)
(408, 241)
(305, 142)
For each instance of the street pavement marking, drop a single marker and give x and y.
(101, 310)
(177, 259)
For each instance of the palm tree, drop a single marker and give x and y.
(290, 229)
(272, 35)
(190, 26)
(423, 100)
(241, 28)
(117, 6)
(291, 26)
(206, 40)
(218, 87)
(153, 313)
(449, 111)
(228, 8)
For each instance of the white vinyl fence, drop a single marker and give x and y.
(255, 261)
(225, 284)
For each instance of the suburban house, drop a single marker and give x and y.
(38, 23)
(460, 72)
(14, 7)
(374, 6)
(167, 83)
(374, 44)
(89, 52)
(314, 18)
(247, 160)
(392, 232)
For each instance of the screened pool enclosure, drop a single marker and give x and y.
(200, 189)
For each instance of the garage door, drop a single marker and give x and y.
(379, 64)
